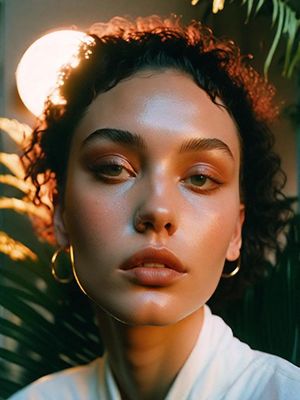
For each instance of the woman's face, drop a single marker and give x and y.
(152, 206)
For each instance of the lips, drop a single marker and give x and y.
(152, 257)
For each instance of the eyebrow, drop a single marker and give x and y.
(201, 144)
(136, 141)
(117, 136)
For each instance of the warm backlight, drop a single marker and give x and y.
(37, 72)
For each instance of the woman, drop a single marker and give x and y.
(165, 183)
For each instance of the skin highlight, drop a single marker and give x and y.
(182, 182)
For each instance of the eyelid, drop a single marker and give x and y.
(110, 160)
(206, 170)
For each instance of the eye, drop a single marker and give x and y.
(110, 169)
(114, 170)
(202, 182)
(198, 180)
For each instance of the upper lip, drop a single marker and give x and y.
(154, 255)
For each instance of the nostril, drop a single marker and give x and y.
(168, 226)
(156, 220)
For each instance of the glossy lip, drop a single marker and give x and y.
(154, 255)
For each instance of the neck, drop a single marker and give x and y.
(145, 360)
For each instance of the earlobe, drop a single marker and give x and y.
(60, 231)
(233, 251)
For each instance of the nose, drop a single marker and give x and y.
(156, 212)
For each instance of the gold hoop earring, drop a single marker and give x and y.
(53, 266)
(234, 272)
(71, 251)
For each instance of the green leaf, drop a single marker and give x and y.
(15, 358)
(249, 9)
(259, 5)
(29, 340)
(295, 61)
(51, 331)
(34, 318)
(291, 29)
(268, 318)
(281, 15)
(284, 18)
(276, 7)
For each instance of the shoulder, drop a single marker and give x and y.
(265, 376)
(241, 372)
(73, 383)
(274, 376)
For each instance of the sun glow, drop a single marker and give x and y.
(37, 74)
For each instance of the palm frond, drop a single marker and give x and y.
(13, 163)
(24, 207)
(259, 5)
(17, 131)
(268, 317)
(286, 24)
(17, 183)
(46, 327)
(15, 249)
(217, 6)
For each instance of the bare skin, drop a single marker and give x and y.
(178, 192)
(143, 359)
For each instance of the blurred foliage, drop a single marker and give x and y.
(44, 326)
(268, 316)
(284, 19)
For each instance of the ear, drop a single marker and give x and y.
(233, 251)
(59, 227)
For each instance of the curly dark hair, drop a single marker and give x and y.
(121, 48)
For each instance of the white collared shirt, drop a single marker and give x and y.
(220, 367)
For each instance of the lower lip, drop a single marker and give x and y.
(151, 276)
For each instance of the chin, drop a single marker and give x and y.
(146, 319)
(149, 314)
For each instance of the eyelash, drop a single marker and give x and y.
(110, 163)
(98, 171)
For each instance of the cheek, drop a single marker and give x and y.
(212, 221)
(210, 236)
(92, 218)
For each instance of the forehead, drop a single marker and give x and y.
(160, 103)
